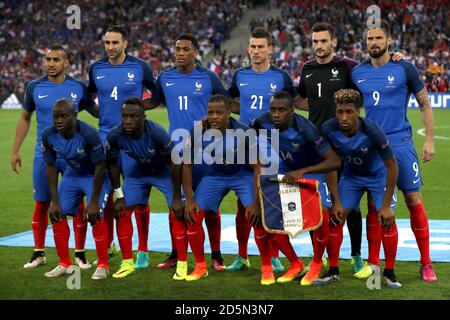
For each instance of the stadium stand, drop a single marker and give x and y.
(28, 28)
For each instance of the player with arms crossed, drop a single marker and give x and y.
(386, 87)
(369, 165)
(113, 79)
(40, 96)
(79, 145)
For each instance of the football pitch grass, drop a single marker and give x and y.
(16, 206)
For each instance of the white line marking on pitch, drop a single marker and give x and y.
(422, 133)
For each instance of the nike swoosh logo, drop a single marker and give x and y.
(243, 84)
(192, 233)
(415, 181)
(179, 238)
(169, 84)
(262, 237)
(359, 81)
(100, 77)
(40, 97)
(309, 75)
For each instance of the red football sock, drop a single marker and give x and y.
(390, 242)
(61, 234)
(196, 237)
(335, 237)
(109, 219)
(39, 223)
(172, 236)
(79, 223)
(125, 234)
(275, 249)
(213, 225)
(419, 225)
(243, 229)
(374, 231)
(321, 237)
(142, 216)
(282, 241)
(264, 242)
(180, 235)
(100, 233)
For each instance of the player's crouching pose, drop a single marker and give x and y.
(149, 146)
(302, 153)
(79, 145)
(227, 173)
(364, 147)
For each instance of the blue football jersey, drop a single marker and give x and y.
(300, 146)
(149, 151)
(81, 152)
(206, 150)
(186, 95)
(362, 153)
(41, 95)
(255, 89)
(386, 92)
(113, 84)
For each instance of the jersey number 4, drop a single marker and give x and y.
(114, 93)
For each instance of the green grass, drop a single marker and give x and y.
(16, 205)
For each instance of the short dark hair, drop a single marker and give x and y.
(119, 29)
(259, 33)
(57, 47)
(221, 98)
(380, 24)
(65, 102)
(324, 26)
(134, 101)
(345, 96)
(283, 95)
(190, 37)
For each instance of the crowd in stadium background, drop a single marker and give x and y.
(420, 29)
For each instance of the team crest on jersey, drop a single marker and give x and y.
(198, 87)
(131, 76)
(273, 86)
(390, 80)
(80, 151)
(334, 72)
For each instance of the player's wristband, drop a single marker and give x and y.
(118, 193)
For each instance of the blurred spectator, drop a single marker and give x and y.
(28, 28)
(420, 30)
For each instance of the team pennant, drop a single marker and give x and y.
(289, 209)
